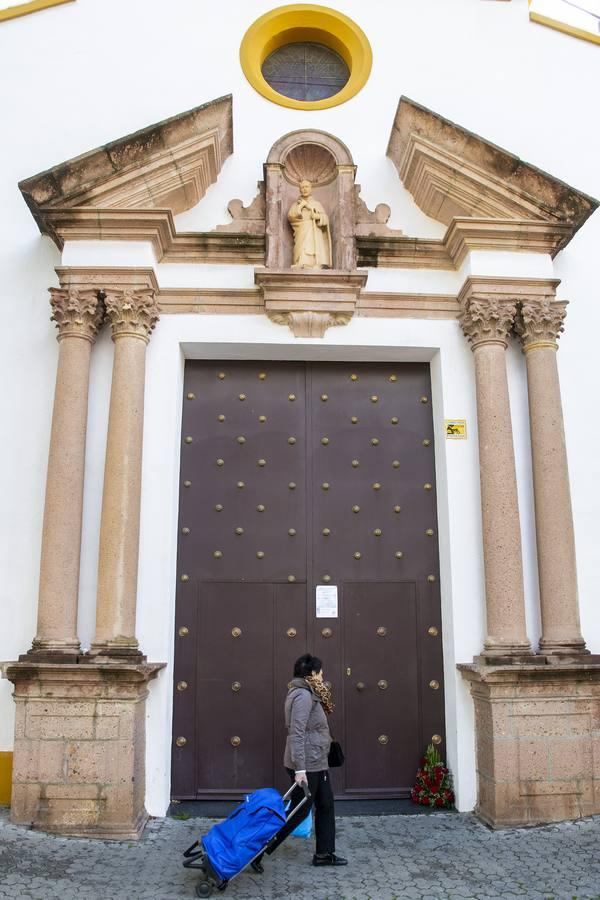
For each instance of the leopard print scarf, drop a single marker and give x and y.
(322, 692)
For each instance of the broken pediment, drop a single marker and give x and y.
(166, 166)
(452, 172)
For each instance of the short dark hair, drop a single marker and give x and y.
(306, 665)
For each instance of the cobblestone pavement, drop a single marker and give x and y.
(414, 857)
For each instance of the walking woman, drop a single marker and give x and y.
(307, 706)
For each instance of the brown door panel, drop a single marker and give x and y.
(235, 687)
(432, 666)
(381, 691)
(183, 766)
(290, 643)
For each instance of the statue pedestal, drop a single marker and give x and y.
(310, 301)
(79, 755)
(537, 740)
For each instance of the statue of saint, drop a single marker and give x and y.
(310, 224)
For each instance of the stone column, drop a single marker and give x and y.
(539, 324)
(486, 320)
(78, 316)
(132, 315)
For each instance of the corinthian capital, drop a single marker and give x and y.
(132, 313)
(540, 322)
(77, 313)
(487, 320)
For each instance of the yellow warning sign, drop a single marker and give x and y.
(456, 429)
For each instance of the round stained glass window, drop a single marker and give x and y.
(305, 71)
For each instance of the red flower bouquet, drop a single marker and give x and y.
(433, 786)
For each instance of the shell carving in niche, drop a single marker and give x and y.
(311, 162)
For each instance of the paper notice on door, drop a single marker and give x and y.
(327, 601)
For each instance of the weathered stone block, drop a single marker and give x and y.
(571, 759)
(538, 747)
(41, 761)
(80, 748)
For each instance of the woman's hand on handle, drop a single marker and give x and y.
(300, 778)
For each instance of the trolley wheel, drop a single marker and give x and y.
(204, 889)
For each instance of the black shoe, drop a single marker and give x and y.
(257, 865)
(330, 859)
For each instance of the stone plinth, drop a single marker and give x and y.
(310, 300)
(538, 741)
(79, 754)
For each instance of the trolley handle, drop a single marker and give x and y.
(305, 799)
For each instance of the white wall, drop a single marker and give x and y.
(79, 75)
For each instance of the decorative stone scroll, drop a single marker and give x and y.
(309, 323)
(372, 222)
(247, 219)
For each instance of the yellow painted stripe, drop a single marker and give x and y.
(566, 29)
(6, 760)
(23, 9)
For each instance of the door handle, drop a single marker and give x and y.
(360, 686)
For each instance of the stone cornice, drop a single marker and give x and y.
(223, 301)
(520, 235)
(486, 287)
(452, 172)
(157, 227)
(168, 165)
(105, 278)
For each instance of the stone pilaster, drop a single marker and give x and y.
(486, 320)
(132, 314)
(539, 324)
(78, 315)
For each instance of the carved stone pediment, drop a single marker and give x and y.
(166, 166)
(311, 300)
(452, 172)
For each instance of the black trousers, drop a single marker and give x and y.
(319, 786)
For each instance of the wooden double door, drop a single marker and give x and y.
(307, 522)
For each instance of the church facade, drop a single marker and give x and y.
(330, 416)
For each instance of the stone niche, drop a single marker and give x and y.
(324, 161)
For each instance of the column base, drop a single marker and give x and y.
(538, 751)
(52, 651)
(572, 647)
(79, 753)
(108, 652)
(519, 649)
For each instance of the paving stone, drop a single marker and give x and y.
(434, 857)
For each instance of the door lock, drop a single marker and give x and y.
(348, 671)
(360, 685)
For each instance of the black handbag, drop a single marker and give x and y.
(335, 757)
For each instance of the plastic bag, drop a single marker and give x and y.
(304, 829)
